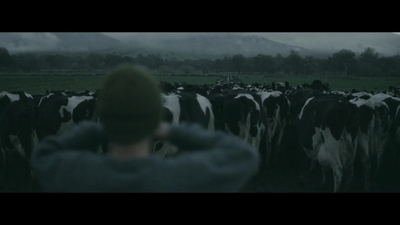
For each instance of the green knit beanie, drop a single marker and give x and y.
(129, 105)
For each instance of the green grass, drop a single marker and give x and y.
(38, 84)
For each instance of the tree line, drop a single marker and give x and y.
(344, 62)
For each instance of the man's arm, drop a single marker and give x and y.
(85, 136)
(217, 162)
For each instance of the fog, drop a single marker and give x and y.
(24, 42)
(384, 43)
(124, 36)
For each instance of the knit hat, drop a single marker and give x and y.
(129, 104)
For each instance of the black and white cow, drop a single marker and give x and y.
(373, 133)
(241, 115)
(327, 128)
(390, 157)
(276, 106)
(318, 85)
(21, 117)
(280, 86)
(181, 108)
(395, 91)
(62, 112)
(20, 120)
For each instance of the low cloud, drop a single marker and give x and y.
(26, 42)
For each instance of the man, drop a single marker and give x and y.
(130, 112)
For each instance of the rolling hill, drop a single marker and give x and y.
(201, 45)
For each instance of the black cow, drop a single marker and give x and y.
(327, 128)
(317, 85)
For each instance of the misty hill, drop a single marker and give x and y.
(386, 44)
(57, 42)
(313, 44)
(191, 46)
(221, 45)
(201, 45)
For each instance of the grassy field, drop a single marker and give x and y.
(38, 84)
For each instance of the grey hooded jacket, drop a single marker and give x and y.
(210, 162)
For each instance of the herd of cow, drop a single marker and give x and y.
(332, 129)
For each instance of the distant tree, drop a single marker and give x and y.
(248, 65)
(111, 61)
(165, 69)
(369, 64)
(6, 61)
(190, 62)
(280, 62)
(27, 63)
(128, 59)
(205, 65)
(294, 63)
(237, 61)
(343, 60)
(265, 63)
(369, 55)
(390, 66)
(95, 61)
(173, 62)
(315, 64)
(153, 61)
(310, 65)
(187, 69)
(140, 59)
(218, 65)
(227, 64)
(55, 61)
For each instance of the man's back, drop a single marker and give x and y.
(209, 162)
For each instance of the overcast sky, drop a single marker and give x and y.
(150, 36)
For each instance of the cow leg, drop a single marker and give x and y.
(366, 164)
(4, 161)
(348, 175)
(363, 151)
(347, 157)
(337, 177)
(378, 167)
(309, 164)
(268, 155)
(325, 173)
(323, 159)
(306, 172)
(276, 158)
(329, 153)
(278, 148)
